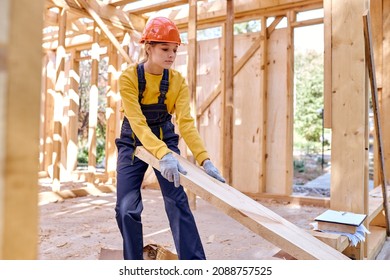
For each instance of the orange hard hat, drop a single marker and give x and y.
(161, 29)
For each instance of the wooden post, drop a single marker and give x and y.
(112, 115)
(374, 99)
(20, 95)
(73, 111)
(47, 110)
(289, 173)
(385, 96)
(192, 72)
(328, 64)
(263, 104)
(349, 182)
(58, 101)
(376, 11)
(228, 97)
(93, 101)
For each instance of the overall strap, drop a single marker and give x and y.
(164, 84)
(141, 81)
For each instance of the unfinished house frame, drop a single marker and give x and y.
(242, 93)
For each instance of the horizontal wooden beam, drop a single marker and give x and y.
(119, 2)
(108, 13)
(156, 7)
(295, 241)
(215, 12)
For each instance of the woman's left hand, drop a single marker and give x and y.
(212, 170)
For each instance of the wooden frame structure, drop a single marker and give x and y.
(220, 82)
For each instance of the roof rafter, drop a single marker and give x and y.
(108, 13)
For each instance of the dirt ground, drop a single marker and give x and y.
(81, 228)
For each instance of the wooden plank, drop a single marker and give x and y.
(228, 97)
(263, 103)
(295, 241)
(248, 122)
(47, 112)
(73, 112)
(299, 200)
(375, 241)
(384, 99)
(213, 12)
(59, 100)
(336, 241)
(191, 76)
(277, 112)
(20, 96)
(328, 64)
(112, 115)
(375, 206)
(238, 66)
(348, 107)
(376, 10)
(375, 106)
(349, 180)
(289, 171)
(157, 7)
(93, 100)
(120, 2)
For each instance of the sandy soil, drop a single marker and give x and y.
(83, 227)
(79, 228)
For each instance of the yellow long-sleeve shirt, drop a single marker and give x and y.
(177, 101)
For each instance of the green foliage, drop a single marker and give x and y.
(247, 27)
(309, 95)
(299, 166)
(85, 86)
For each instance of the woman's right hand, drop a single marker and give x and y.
(170, 168)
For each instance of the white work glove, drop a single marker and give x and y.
(212, 170)
(170, 168)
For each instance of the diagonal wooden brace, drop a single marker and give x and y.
(295, 241)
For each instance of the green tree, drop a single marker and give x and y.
(309, 95)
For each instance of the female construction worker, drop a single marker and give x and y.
(151, 92)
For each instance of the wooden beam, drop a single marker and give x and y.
(273, 25)
(120, 2)
(228, 97)
(105, 29)
(308, 22)
(73, 111)
(349, 178)
(348, 107)
(215, 11)
(58, 101)
(93, 101)
(295, 241)
(237, 67)
(48, 108)
(20, 100)
(328, 64)
(264, 35)
(289, 144)
(112, 115)
(192, 74)
(108, 14)
(375, 106)
(157, 7)
(384, 99)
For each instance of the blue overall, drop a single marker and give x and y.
(130, 174)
